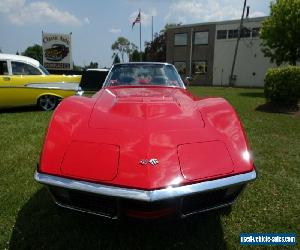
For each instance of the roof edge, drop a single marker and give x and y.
(4, 56)
(253, 19)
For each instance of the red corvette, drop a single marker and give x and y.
(144, 147)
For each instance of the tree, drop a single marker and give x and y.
(281, 33)
(92, 65)
(123, 47)
(116, 58)
(35, 52)
(135, 56)
(133, 53)
(77, 67)
(156, 50)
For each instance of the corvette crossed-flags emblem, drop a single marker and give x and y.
(153, 162)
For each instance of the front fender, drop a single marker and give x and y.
(220, 117)
(70, 117)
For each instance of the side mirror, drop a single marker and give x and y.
(187, 80)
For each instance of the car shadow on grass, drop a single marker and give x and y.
(41, 225)
(20, 109)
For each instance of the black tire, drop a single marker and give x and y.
(47, 102)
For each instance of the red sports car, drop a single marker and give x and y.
(144, 147)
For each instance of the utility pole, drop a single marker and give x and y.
(141, 59)
(152, 28)
(191, 52)
(237, 45)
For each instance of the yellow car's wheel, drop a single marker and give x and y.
(47, 102)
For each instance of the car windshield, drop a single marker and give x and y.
(144, 74)
(44, 69)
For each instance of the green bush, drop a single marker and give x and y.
(282, 86)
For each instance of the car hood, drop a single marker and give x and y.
(145, 124)
(152, 109)
(138, 124)
(113, 136)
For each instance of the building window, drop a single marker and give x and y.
(245, 32)
(180, 39)
(233, 33)
(201, 37)
(199, 67)
(255, 32)
(221, 34)
(181, 67)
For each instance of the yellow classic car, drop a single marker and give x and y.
(24, 81)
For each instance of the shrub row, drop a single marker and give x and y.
(282, 86)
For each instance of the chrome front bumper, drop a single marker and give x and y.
(115, 202)
(144, 195)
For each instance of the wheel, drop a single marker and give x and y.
(47, 102)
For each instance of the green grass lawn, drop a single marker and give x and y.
(30, 220)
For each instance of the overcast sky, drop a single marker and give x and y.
(95, 25)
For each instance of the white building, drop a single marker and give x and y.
(209, 62)
(251, 64)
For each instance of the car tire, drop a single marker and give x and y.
(47, 102)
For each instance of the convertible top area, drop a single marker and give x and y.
(145, 74)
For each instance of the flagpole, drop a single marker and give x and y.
(140, 36)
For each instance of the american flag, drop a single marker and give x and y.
(137, 20)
